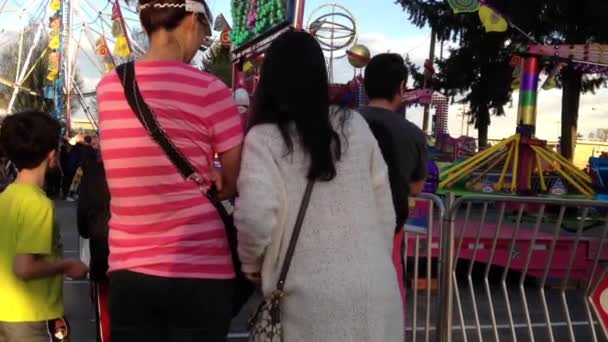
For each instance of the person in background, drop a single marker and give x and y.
(31, 263)
(64, 155)
(341, 285)
(93, 214)
(403, 144)
(241, 97)
(88, 151)
(170, 264)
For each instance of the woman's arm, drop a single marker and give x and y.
(231, 164)
(258, 205)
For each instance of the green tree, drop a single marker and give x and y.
(218, 62)
(478, 69)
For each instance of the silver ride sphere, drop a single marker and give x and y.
(336, 30)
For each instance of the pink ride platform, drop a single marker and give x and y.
(586, 250)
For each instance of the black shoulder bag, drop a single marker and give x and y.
(126, 72)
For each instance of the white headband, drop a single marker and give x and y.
(189, 5)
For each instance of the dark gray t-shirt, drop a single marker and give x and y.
(404, 148)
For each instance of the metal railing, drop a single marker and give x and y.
(422, 242)
(529, 265)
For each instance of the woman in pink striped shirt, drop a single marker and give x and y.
(171, 272)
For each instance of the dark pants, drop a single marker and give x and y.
(53, 183)
(150, 309)
(66, 182)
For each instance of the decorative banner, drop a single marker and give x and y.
(221, 24)
(101, 49)
(516, 64)
(55, 5)
(54, 41)
(121, 47)
(225, 38)
(116, 14)
(491, 20)
(108, 62)
(53, 67)
(516, 79)
(117, 29)
(463, 6)
(54, 32)
(247, 67)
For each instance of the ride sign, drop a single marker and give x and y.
(599, 301)
(225, 38)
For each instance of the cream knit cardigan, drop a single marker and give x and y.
(342, 285)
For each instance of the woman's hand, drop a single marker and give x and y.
(255, 278)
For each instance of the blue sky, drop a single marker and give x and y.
(394, 20)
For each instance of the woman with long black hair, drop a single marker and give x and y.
(341, 285)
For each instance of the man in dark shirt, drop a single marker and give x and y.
(402, 143)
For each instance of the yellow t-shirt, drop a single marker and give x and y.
(27, 226)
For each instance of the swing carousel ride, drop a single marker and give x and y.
(523, 164)
(78, 37)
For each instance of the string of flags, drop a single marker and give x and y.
(101, 49)
(122, 47)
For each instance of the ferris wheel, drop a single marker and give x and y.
(73, 38)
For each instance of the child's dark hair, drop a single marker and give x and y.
(28, 137)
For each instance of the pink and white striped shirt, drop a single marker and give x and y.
(162, 225)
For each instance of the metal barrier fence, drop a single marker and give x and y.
(422, 243)
(519, 269)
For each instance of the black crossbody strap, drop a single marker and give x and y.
(126, 73)
(295, 235)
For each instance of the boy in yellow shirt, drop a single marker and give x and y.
(31, 262)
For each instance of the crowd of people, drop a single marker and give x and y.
(163, 265)
(63, 181)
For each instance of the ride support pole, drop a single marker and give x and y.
(528, 94)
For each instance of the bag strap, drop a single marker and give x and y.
(295, 235)
(126, 74)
